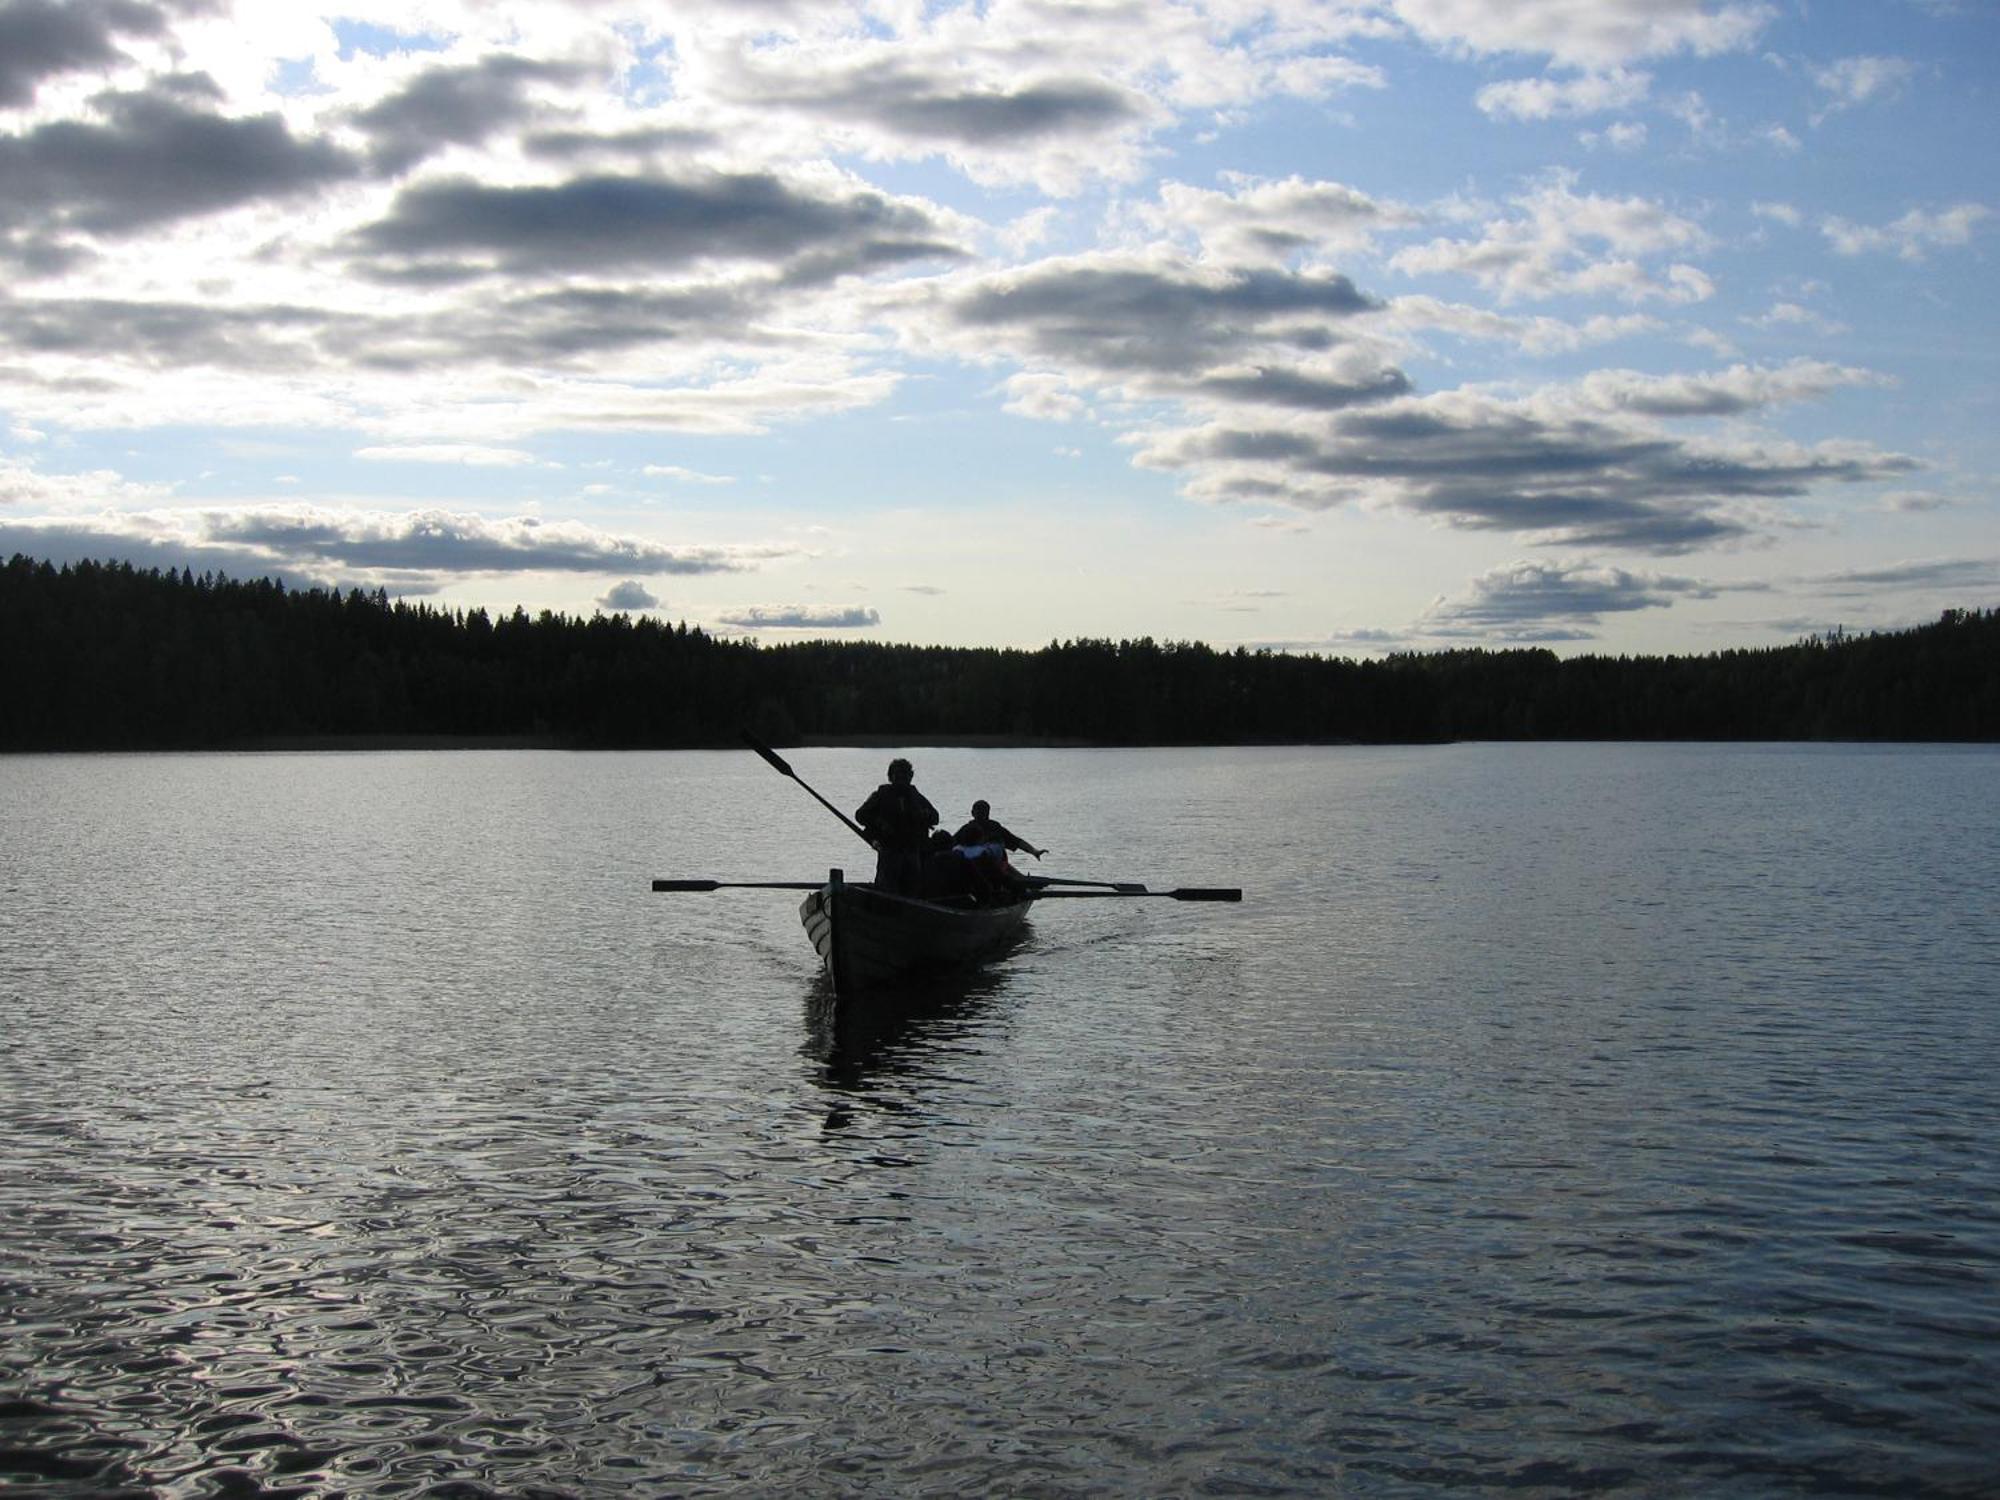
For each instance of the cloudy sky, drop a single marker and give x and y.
(1333, 325)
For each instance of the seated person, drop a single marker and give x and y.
(945, 872)
(985, 829)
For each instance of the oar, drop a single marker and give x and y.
(1184, 893)
(1122, 887)
(737, 885)
(777, 763)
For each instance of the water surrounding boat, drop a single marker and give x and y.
(1551, 1119)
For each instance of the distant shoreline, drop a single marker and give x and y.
(102, 656)
(943, 742)
(326, 743)
(554, 742)
(398, 742)
(366, 743)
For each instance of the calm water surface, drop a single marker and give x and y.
(1549, 1119)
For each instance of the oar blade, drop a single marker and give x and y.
(771, 757)
(687, 885)
(1203, 893)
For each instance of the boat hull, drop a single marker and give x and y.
(872, 940)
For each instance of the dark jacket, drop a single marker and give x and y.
(991, 831)
(897, 816)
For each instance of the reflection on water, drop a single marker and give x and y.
(1555, 1119)
(866, 1043)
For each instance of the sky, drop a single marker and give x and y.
(1336, 326)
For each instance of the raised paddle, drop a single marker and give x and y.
(778, 764)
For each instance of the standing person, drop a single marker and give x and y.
(898, 820)
(985, 829)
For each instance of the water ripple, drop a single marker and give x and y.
(1600, 1122)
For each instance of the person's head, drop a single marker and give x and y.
(901, 771)
(982, 809)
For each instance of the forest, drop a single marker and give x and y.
(105, 656)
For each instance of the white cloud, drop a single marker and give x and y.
(1795, 315)
(629, 595)
(1050, 398)
(1552, 98)
(1736, 391)
(1157, 326)
(995, 109)
(1704, 129)
(1559, 242)
(1524, 602)
(1537, 335)
(1916, 502)
(800, 617)
(1589, 465)
(1056, 96)
(685, 476)
(1929, 576)
(470, 454)
(1709, 342)
(25, 485)
(1587, 33)
(1854, 81)
(1625, 135)
(1262, 222)
(514, 228)
(369, 545)
(1020, 237)
(1318, 77)
(1911, 236)
(479, 406)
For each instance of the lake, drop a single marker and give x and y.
(1550, 1119)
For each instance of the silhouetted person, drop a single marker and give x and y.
(898, 819)
(944, 867)
(985, 829)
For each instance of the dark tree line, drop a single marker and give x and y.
(106, 656)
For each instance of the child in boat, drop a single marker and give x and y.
(944, 868)
(953, 870)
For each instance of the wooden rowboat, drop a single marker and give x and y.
(871, 939)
